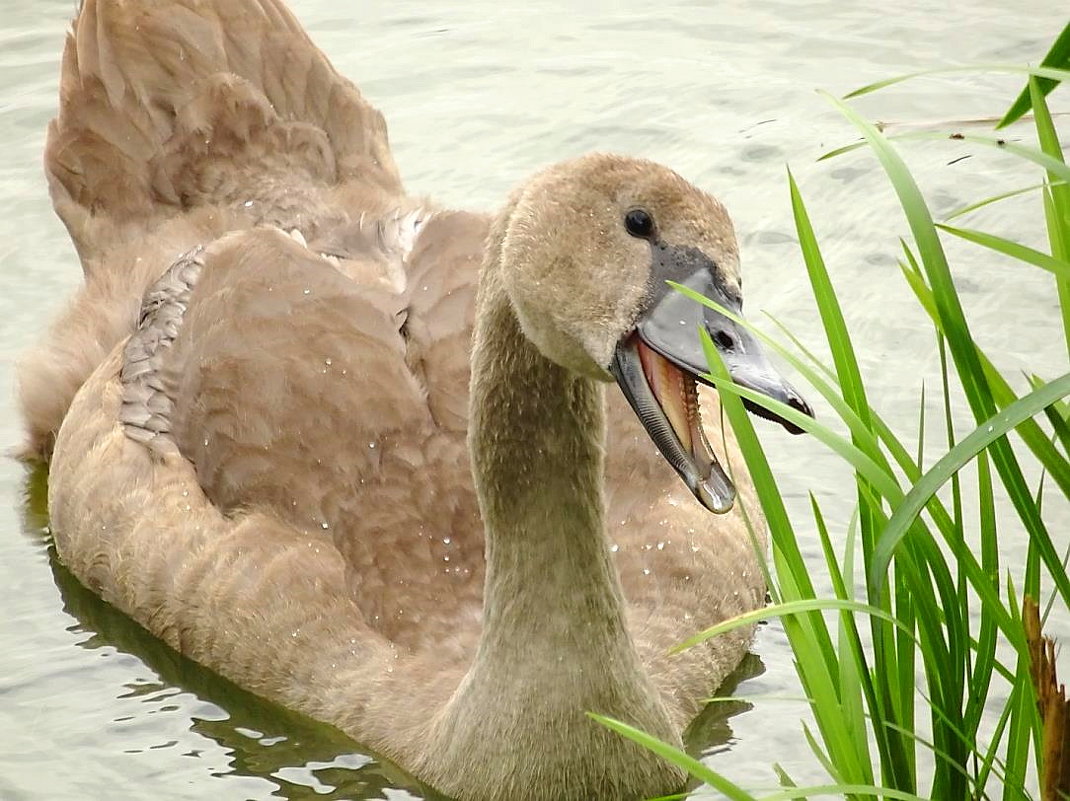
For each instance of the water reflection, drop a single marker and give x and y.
(301, 758)
(710, 732)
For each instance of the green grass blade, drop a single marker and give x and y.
(920, 461)
(842, 150)
(954, 326)
(1048, 71)
(1057, 416)
(1034, 437)
(1024, 727)
(1057, 217)
(1056, 199)
(866, 467)
(938, 603)
(991, 764)
(808, 633)
(819, 753)
(843, 355)
(985, 647)
(836, 575)
(1058, 267)
(785, 609)
(1027, 406)
(980, 204)
(855, 684)
(885, 703)
(855, 672)
(910, 76)
(881, 430)
(783, 777)
(939, 755)
(677, 757)
(1057, 57)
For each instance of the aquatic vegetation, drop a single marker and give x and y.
(927, 646)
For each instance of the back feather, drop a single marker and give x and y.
(180, 121)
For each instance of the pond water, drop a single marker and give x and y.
(478, 95)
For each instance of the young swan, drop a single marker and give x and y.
(572, 296)
(262, 459)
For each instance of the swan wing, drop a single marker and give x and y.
(178, 122)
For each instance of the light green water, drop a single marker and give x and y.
(477, 95)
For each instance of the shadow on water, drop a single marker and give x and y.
(263, 739)
(711, 731)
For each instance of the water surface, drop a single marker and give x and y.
(478, 95)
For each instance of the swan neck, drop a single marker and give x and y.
(537, 443)
(555, 644)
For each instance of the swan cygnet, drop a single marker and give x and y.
(573, 295)
(361, 454)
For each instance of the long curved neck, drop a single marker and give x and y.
(555, 644)
(537, 438)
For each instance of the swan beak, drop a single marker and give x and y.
(658, 364)
(665, 398)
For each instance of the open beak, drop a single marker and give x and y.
(658, 364)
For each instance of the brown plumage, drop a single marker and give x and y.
(261, 452)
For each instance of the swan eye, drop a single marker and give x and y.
(639, 223)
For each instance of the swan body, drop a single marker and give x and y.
(273, 446)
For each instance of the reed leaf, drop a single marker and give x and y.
(1058, 57)
(982, 437)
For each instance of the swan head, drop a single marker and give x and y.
(587, 253)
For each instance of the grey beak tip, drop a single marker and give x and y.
(799, 404)
(792, 399)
